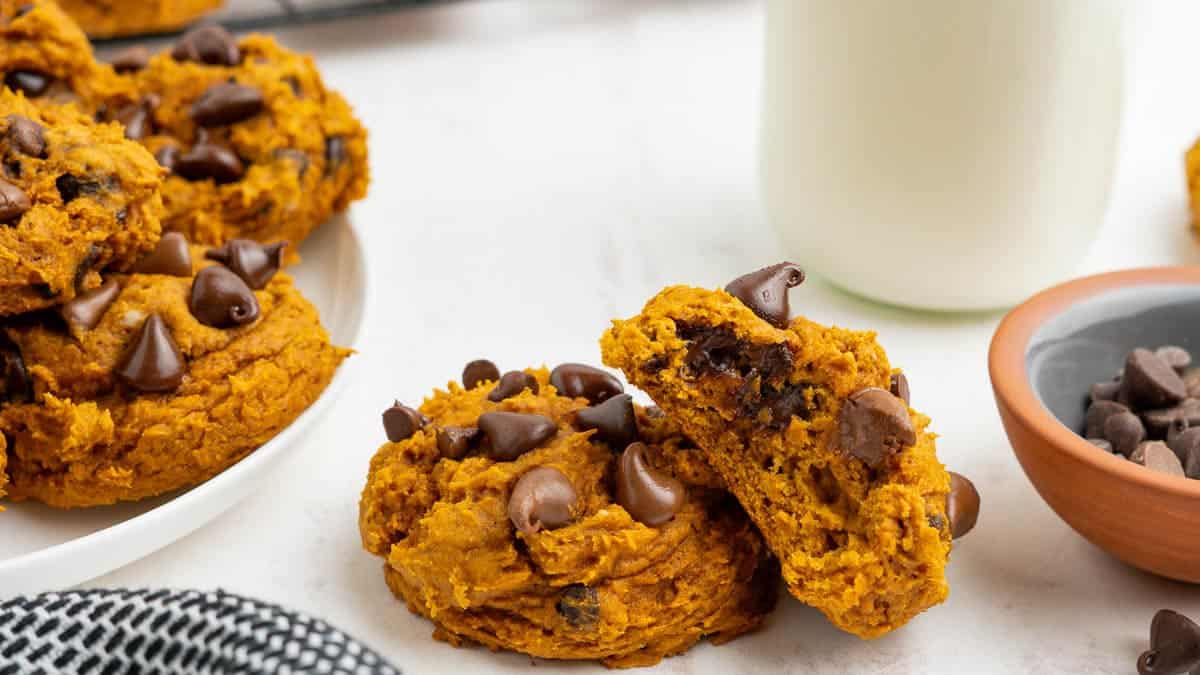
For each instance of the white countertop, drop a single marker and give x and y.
(542, 167)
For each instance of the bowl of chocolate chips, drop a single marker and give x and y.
(1098, 385)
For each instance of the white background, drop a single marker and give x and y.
(542, 167)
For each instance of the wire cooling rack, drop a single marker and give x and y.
(249, 15)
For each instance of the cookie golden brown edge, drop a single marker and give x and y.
(132, 17)
(861, 532)
(594, 582)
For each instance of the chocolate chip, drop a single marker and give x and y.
(479, 371)
(136, 120)
(1125, 431)
(1101, 443)
(335, 153)
(226, 103)
(1176, 357)
(131, 59)
(71, 187)
(614, 420)
(86, 310)
(580, 606)
(153, 363)
(15, 384)
(1177, 426)
(1105, 391)
(1191, 380)
(171, 257)
(210, 44)
(576, 380)
(542, 498)
(512, 383)
(1174, 645)
(23, 10)
(874, 424)
(13, 202)
(221, 299)
(935, 521)
(209, 160)
(1186, 446)
(45, 291)
(1159, 421)
(26, 136)
(765, 292)
(1150, 382)
(511, 435)
(88, 261)
(400, 422)
(1097, 413)
(962, 505)
(1156, 456)
(651, 497)
(454, 442)
(167, 157)
(293, 155)
(31, 82)
(255, 263)
(899, 388)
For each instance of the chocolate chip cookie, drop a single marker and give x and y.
(158, 379)
(256, 145)
(810, 428)
(566, 527)
(45, 55)
(1192, 168)
(75, 197)
(108, 18)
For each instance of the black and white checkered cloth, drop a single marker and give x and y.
(144, 632)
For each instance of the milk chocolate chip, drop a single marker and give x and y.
(221, 299)
(26, 136)
(765, 292)
(1174, 356)
(210, 44)
(962, 506)
(131, 59)
(86, 310)
(1150, 382)
(1097, 414)
(31, 82)
(478, 372)
(226, 103)
(576, 380)
(874, 424)
(651, 497)
(1174, 645)
(1156, 456)
(1125, 431)
(511, 435)
(255, 263)
(1105, 391)
(401, 422)
(153, 363)
(512, 383)
(171, 257)
(13, 202)
(614, 420)
(542, 498)
(15, 385)
(209, 161)
(455, 442)
(900, 389)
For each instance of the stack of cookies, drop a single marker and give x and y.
(148, 337)
(547, 513)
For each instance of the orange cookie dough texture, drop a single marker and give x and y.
(45, 55)
(257, 146)
(75, 198)
(86, 437)
(598, 584)
(111, 18)
(867, 545)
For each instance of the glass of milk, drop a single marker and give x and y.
(942, 154)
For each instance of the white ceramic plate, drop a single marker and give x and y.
(45, 549)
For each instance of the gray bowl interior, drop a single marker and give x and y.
(1088, 342)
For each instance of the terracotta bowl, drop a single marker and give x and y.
(1045, 355)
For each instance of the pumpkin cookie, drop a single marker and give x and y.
(1193, 179)
(45, 55)
(106, 18)
(75, 197)
(565, 527)
(837, 471)
(257, 147)
(159, 379)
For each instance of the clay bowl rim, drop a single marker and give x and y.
(1010, 378)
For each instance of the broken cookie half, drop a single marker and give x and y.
(811, 429)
